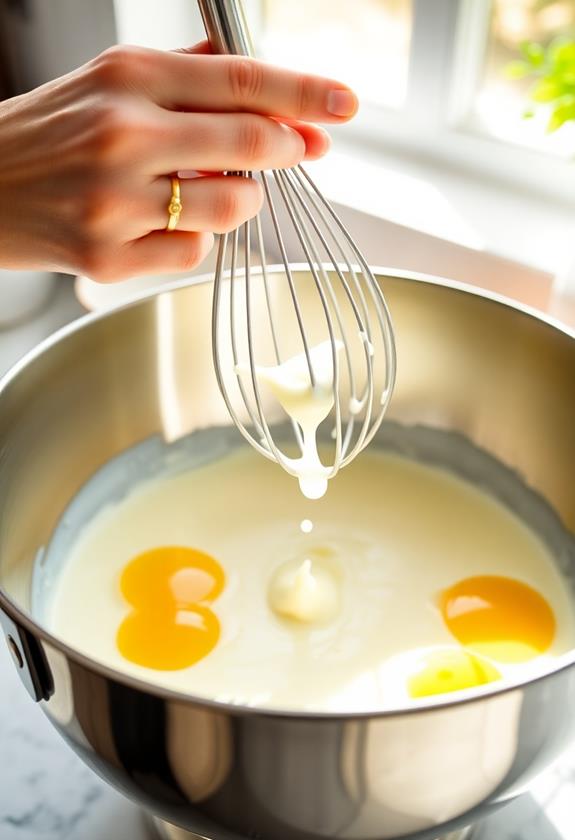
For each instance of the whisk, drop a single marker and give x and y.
(262, 317)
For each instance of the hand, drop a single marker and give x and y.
(86, 160)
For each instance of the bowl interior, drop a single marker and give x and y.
(500, 376)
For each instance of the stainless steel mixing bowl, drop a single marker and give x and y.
(500, 375)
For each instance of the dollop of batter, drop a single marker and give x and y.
(308, 405)
(304, 591)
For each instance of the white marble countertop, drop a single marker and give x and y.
(46, 792)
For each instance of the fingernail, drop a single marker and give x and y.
(341, 103)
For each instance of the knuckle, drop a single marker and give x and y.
(190, 255)
(94, 218)
(246, 79)
(254, 141)
(110, 134)
(118, 66)
(303, 95)
(226, 210)
(97, 212)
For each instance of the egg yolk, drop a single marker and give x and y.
(501, 618)
(171, 625)
(450, 670)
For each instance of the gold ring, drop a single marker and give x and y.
(175, 206)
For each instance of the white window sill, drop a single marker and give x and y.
(410, 214)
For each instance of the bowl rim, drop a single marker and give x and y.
(416, 706)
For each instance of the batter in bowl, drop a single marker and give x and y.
(404, 581)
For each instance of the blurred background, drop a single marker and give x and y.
(440, 172)
(384, 48)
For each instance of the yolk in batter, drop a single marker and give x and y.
(501, 618)
(171, 625)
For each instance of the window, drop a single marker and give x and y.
(429, 73)
(367, 41)
(430, 77)
(499, 104)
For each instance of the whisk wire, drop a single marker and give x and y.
(363, 325)
(314, 263)
(381, 307)
(289, 276)
(271, 319)
(263, 268)
(340, 287)
(332, 259)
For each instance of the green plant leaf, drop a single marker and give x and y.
(561, 54)
(517, 70)
(560, 115)
(554, 72)
(547, 89)
(533, 53)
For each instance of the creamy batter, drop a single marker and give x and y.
(307, 406)
(326, 606)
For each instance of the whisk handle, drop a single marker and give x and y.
(226, 27)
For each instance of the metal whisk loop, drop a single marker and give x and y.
(316, 269)
(362, 327)
(381, 308)
(265, 445)
(349, 302)
(323, 296)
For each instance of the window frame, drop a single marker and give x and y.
(446, 60)
(447, 53)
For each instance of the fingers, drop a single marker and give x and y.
(212, 203)
(180, 81)
(215, 203)
(317, 141)
(159, 252)
(155, 113)
(224, 142)
(128, 126)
